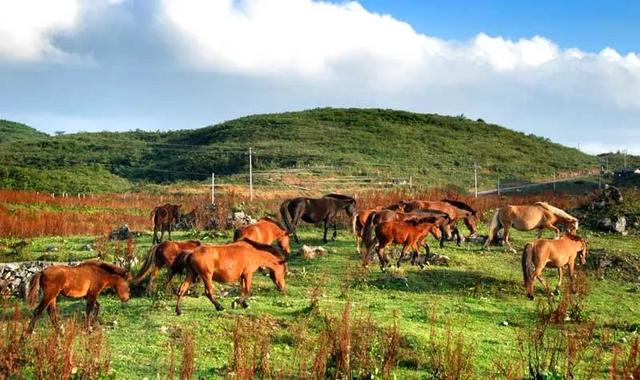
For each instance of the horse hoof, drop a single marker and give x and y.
(556, 292)
(530, 297)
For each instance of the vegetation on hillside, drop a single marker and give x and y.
(365, 142)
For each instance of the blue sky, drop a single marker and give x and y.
(567, 70)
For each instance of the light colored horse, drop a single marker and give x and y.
(554, 253)
(538, 216)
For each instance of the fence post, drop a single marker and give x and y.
(250, 177)
(475, 179)
(213, 188)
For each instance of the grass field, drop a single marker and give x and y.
(479, 295)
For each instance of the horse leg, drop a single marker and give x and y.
(169, 230)
(96, 310)
(445, 232)
(326, 227)
(245, 282)
(505, 228)
(91, 303)
(540, 230)
(405, 248)
(183, 290)
(295, 220)
(335, 230)
(571, 282)
(456, 232)
(161, 233)
(559, 287)
(53, 314)
(208, 290)
(152, 276)
(155, 234)
(381, 257)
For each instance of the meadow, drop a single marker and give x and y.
(469, 319)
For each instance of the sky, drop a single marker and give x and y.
(566, 70)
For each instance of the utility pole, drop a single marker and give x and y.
(213, 188)
(600, 177)
(475, 179)
(250, 177)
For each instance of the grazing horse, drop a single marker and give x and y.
(162, 217)
(554, 253)
(385, 215)
(315, 210)
(410, 233)
(166, 255)
(538, 216)
(265, 231)
(455, 209)
(86, 280)
(232, 262)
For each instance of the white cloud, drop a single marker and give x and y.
(27, 28)
(345, 43)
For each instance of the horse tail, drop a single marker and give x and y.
(367, 231)
(494, 225)
(153, 217)
(354, 225)
(286, 217)
(149, 262)
(527, 263)
(34, 288)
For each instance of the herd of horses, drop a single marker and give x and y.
(407, 223)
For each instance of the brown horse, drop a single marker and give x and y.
(411, 234)
(386, 215)
(265, 231)
(554, 253)
(163, 217)
(457, 210)
(86, 280)
(232, 262)
(357, 224)
(166, 255)
(538, 216)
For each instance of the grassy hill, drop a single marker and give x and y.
(434, 149)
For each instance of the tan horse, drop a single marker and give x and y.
(554, 253)
(166, 255)
(231, 262)
(538, 216)
(411, 234)
(86, 280)
(265, 231)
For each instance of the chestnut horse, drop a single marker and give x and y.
(163, 217)
(538, 216)
(265, 231)
(554, 253)
(162, 255)
(86, 280)
(410, 233)
(455, 209)
(315, 210)
(386, 215)
(232, 262)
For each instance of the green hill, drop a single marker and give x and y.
(12, 131)
(378, 143)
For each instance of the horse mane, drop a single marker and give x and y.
(265, 247)
(460, 205)
(421, 220)
(107, 267)
(556, 211)
(573, 237)
(339, 196)
(271, 220)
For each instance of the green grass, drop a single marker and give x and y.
(474, 295)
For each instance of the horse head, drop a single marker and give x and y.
(582, 254)
(277, 275)
(122, 289)
(175, 212)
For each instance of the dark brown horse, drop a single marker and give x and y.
(265, 231)
(457, 210)
(165, 255)
(316, 210)
(410, 233)
(163, 217)
(232, 262)
(387, 215)
(554, 253)
(86, 280)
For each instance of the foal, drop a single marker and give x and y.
(411, 234)
(554, 253)
(265, 231)
(166, 255)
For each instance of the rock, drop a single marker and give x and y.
(310, 252)
(122, 233)
(239, 219)
(87, 247)
(51, 248)
(505, 323)
(616, 224)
